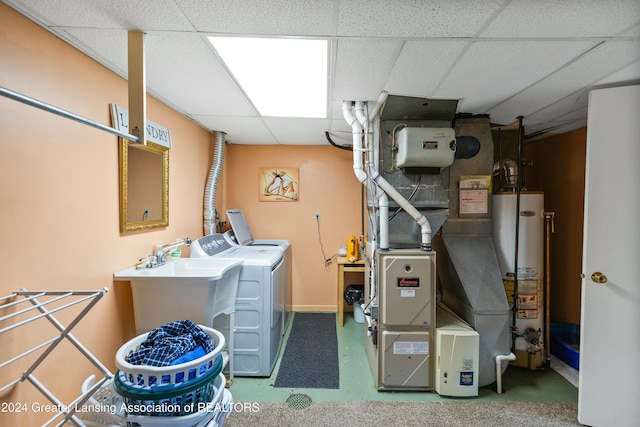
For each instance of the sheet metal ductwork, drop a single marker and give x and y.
(471, 285)
(470, 282)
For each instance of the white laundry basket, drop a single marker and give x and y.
(211, 414)
(162, 378)
(206, 412)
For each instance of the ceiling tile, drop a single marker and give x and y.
(591, 67)
(566, 18)
(490, 72)
(417, 18)
(633, 32)
(262, 17)
(109, 47)
(122, 14)
(421, 65)
(362, 68)
(480, 52)
(206, 87)
(570, 107)
(239, 130)
(628, 75)
(203, 80)
(297, 131)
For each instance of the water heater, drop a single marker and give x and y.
(530, 315)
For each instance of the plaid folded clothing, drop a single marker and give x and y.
(169, 342)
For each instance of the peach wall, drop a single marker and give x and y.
(327, 185)
(59, 201)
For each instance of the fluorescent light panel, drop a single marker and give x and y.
(282, 77)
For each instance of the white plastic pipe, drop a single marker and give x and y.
(383, 201)
(372, 276)
(383, 204)
(499, 359)
(423, 222)
(381, 183)
(356, 131)
(360, 115)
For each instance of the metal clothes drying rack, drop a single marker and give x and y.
(36, 311)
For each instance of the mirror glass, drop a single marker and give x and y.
(144, 186)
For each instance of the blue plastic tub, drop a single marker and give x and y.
(565, 343)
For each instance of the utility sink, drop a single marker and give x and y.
(186, 288)
(211, 269)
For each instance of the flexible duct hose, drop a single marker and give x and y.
(211, 186)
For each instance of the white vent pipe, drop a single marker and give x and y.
(211, 186)
(499, 359)
(383, 201)
(380, 182)
(356, 132)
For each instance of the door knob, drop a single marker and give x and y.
(598, 277)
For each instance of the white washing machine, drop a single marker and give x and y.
(259, 303)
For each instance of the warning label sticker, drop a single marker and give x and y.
(411, 347)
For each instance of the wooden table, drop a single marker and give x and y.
(344, 267)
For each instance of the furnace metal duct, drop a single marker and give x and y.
(471, 285)
(468, 270)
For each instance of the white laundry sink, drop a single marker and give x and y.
(211, 269)
(195, 289)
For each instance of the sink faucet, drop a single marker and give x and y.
(160, 257)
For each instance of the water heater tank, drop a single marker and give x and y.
(425, 147)
(530, 255)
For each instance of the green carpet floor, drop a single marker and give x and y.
(356, 381)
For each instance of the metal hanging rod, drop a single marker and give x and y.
(63, 113)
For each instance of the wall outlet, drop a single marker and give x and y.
(317, 216)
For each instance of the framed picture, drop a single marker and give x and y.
(278, 184)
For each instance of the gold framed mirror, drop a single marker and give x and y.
(144, 186)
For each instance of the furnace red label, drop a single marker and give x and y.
(408, 282)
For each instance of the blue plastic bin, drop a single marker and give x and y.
(565, 343)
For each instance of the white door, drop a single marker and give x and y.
(609, 392)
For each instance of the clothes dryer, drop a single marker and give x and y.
(259, 303)
(241, 235)
(285, 247)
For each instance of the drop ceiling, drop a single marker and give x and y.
(502, 58)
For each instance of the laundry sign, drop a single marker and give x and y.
(153, 132)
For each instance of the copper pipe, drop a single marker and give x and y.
(548, 229)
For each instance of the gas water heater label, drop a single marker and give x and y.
(411, 347)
